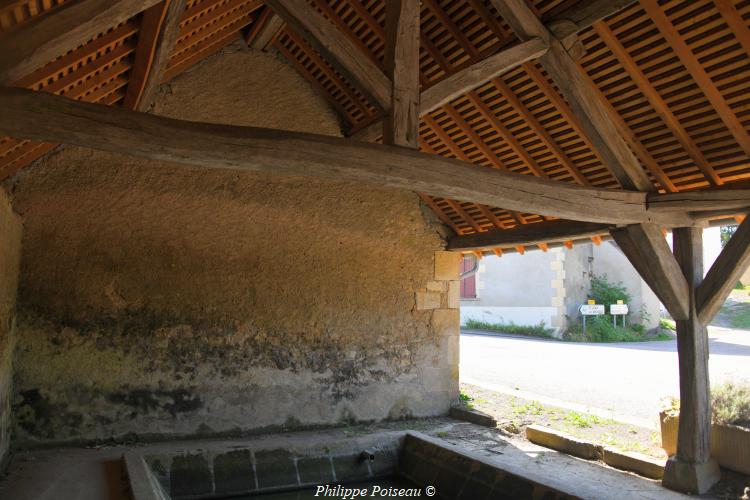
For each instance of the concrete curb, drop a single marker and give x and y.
(642, 465)
(633, 462)
(561, 441)
(473, 416)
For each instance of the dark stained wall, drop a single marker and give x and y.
(164, 300)
(10, 252)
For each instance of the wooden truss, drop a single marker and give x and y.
(547, 122)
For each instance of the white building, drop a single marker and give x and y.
(548, 287)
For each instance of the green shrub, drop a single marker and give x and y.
(600, 328)
(730, 403)
(539, 330)
(667, 324)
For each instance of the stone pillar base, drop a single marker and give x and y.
(690, 478)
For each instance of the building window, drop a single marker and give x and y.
(468, 284)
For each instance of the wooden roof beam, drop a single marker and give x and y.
(157, 36)
(45, 117)
(650, 255)
(566, 73)
(336, 48)
(727, 201)
(468, 79)
(47, 37)
(584, 14)
(528, 234)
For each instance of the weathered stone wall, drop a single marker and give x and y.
(166, 300)
(10, 252)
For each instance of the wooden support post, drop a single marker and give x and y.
(401, 124)
(692, 470)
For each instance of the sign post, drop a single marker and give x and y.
(618, 309)
(590, 309)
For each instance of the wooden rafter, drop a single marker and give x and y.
(638, 148)
(506, 135)
(698, 73)
(528, 234)
(46, 117)
(156, 39)
(476, 139)
(337, 48)
(657, 102)
(565, 72)
(45, 38)
(539, 130)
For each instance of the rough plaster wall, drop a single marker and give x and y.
(10, 254)
(166, 300)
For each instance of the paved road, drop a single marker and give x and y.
(623, 380)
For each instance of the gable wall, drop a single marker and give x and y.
(163, 300)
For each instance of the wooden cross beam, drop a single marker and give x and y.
(727, 201)
(468, 79)
(528, 234)
(338, 50)
(564, 25)
(564, 71)
(46, 117)
(156, 39)
(47, 37)
(645, 247)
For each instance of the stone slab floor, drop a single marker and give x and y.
(98, 473)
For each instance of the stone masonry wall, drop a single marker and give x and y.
(10, 252)
(164, 300)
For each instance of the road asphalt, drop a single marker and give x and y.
(625, 381)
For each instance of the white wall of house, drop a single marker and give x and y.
(550, 286)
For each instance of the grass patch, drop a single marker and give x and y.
(539, 330)
(529, 408)
(600, 329)
(581, 420)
